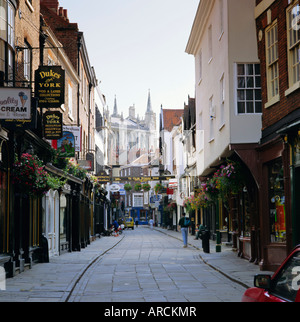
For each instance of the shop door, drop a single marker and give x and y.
(52, 222)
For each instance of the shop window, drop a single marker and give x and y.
(277, 202)
(245, 209)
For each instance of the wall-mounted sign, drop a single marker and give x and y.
(66, 145)
(15, 104)
(30, 124)
(52, 125)
(114, 188)
(50, 86)
(86, 164)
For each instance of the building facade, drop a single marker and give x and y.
(279, 149)
(228, 115)
(40, 219)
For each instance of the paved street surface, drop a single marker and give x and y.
(139, 266)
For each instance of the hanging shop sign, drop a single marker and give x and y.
(76, 130)
(15, 104)
(52, 125)
(103, 177)
(66, 145)
(50, 86)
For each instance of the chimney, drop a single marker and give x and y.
(51, 4)
(63, 13)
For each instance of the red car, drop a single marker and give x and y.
(283, 286)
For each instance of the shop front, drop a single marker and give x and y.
(295, 185)
(275, 201)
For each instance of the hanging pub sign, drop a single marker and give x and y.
(53, 125)
(15, 103)
(66, 145)
(50, 86)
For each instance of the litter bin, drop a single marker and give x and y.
(205, 241)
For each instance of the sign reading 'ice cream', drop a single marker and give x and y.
(15, 103)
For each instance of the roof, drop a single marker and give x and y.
(171, 118)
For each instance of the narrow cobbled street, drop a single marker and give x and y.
(142, 265)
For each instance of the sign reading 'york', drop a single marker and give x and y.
(50, 86)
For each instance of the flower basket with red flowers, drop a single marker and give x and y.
(29, 174)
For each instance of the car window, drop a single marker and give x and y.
(287, 282)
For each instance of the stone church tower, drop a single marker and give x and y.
(132, 137)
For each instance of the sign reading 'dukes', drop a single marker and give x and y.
(53, 125)
(50, 86)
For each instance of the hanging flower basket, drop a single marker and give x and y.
(146, 187)
(226, 181)
(187, 204)
(127, 187)
(29, 174)
(158, 188)
(138, 187)
(211, 189)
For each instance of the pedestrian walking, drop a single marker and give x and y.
(136, 222)
(185, 223)
(151, 223)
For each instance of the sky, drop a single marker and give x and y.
(136, 46)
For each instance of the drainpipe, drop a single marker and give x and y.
(79, 44)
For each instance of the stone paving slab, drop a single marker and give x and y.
(148, 275)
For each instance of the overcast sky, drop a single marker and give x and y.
(137, 45)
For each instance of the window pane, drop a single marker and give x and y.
(258, 95)
(258, 107)
(249, 69)
(250, 107)
(241, 95)
(249, 95)
(257, 81)
(257, 69)
(241, 82)
(250, 82)
(241, 107)
(241, 69)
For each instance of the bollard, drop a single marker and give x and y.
(205, 241)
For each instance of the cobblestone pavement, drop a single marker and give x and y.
(139, 266)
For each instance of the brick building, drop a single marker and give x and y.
(278, 154)
(81, 95)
